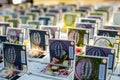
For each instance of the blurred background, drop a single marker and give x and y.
(56, 1)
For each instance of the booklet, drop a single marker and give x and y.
(109, 42)
(102, 14)
(108, 33)
(88, 20)
(106, 9)
(4, 26)
(38, 42)
(116, 16)
(54, 16)
(54, 70)
(45, 20)
(15, 60)
(62, 51)
(68, 20)
(26, 28)
(90, 68)
(25, 18)
(33, 14)
(54, 31)
(33, 22)
(102, 52)
(2, 39)
(15, 35)
(7, 17)
(81, 36)
(15, 22)
(111, 27)
(89, 26)
(98, 18)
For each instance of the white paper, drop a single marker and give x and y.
(101, 72)
(85, 38)
(71, 53)
(23, 57)
(46, 39)
(110, 61)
